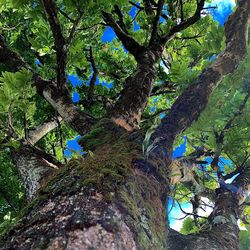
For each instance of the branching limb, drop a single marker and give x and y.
(185, 23)
(59, 99)
(128, 42)
(193, 100)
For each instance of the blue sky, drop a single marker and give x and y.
(72, 146)
(224, 9)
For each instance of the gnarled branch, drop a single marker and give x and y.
(193, 100)
(128, 42)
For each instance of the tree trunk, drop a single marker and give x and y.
(100, 202)
(137, 87)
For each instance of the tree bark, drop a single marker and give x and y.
(137, 87)
(33, 166)
(100, 202)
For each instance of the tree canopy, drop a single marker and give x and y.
(164, 71)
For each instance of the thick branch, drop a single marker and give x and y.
(33, 166)
(137, 88)
(194, 99)
(60, 43)
(39, 132)
(128, 42)
(59, 99)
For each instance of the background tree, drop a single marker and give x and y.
(168, 58)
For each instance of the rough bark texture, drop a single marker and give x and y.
(33, 167)
(137, 87)
(101, 202)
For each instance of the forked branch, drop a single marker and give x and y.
(189, 105)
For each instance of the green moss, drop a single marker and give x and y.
(144, 211)
(104, 132)
(103, 171)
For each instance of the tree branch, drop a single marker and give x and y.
(194, 99)
(10, 58)
(74, 29)
(60, 43)
(154, 34)
(166, 87)
(182, 13)
(65, 15)
(128, 42)
(59, 99)
(136, 5)
(34, 135)
(94, 76)
(185, 23)
(148, 7)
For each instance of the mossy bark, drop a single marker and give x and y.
(102, 201)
